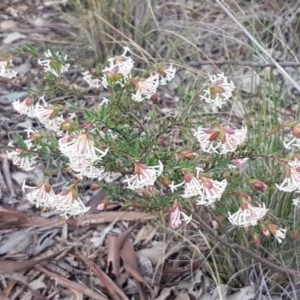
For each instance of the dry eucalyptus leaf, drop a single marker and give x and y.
(37, 284)
(146, 233)
(245, 293)
(113, 256)
(182, 296)
(14, 240)
(166, 293)
(154, 253)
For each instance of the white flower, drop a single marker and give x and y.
(240, 163)
(25, 107)
(145, 88)
(218, 91)
(91, 79)
(80, 144)
(69, 204)
(294, 143)
(119, 69)
(43, 195)
(247, 215)
(144, 176)
(166, 73)
(296, 202)
(208, 190)
(22, 158)
(177, 216)
(280, 234)
(292, 182)
(220, 140)
(47, 115)
(5, 71)
(54, 65)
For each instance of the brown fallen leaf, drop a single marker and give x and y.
(9, 219)
(111, 286)
(109, 216)
(59, 280)
(9, 266)
(131, 266)
(170, 268)
(90, 219)
(113, 257)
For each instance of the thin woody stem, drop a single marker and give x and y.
(245, 63)
(242, 249)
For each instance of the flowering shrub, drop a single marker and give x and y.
(116, 144)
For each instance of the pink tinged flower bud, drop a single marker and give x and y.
(187, 177)
(28, 101)
(273, 228)
(176, 214)
(259, 185)
(229, 130)
(47, 187)
(155, 98)
(244, 206)
(189, 154)
(295, 234)
(207, 182)
(296, 131)
(246, 197)
(214, 135)
(162, 139)
(266, 231)
(139, 167)
(256, 238)
(166, 182)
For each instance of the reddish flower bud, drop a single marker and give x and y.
(265, 231)
(245, 196)
(166, 182)
(189, 154)
(256, 238)
(259, 185)
(28, 101)
(155, 98)
(162, 139)
(188, 177)
(214, 136)
(295, 235)
(296, 131)
(94, 187)
(67, 126)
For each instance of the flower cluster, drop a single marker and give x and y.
(292, 181)
(177, 216)
(83, 154)
(91, 145)
(5, 70)
(54, 63)
(220, 140)
(145, 176)
(118, 72)
(67, 203)
(247, 215)
(25, 158)
(207, 191)
(219, 90)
